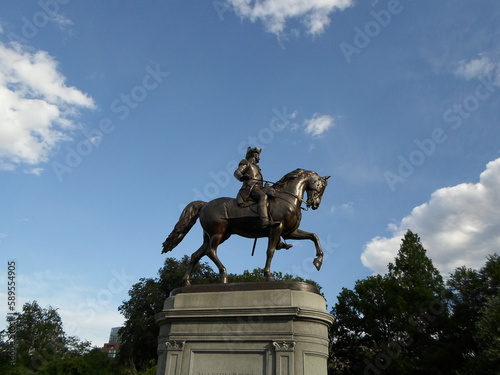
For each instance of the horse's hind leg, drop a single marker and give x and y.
(195, 258)
(215, 241)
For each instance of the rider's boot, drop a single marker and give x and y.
(264, 216)
(283, 245)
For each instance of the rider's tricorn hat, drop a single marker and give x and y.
(251, 151)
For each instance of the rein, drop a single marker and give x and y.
(286, 192)
(299, 199)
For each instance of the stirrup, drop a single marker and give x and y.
(269, 223)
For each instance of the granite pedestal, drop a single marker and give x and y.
(268, 328)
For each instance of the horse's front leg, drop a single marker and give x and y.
(274, 237)
(299, 234)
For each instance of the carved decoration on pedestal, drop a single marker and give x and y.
(174, 345)
(284, 346)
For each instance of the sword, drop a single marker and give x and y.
(254, 243)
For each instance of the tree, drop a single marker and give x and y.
(95, 362)
(473, 335)
(392, 322)
(425, 311)
(363, 323)
(488, 339)
(488, 331)
(39, 339)
(466, 301)
(39, 335)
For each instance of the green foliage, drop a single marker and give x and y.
(257, 275)
(473, 334)
(390, 322)
(409, 321)
(95, 362)
(488, 338)
(150, 370)
(42, 347)
(39, 335)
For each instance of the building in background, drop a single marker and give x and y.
(114, 337)
(113, 346)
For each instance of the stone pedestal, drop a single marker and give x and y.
(244, 329)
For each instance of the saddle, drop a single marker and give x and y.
(245, 198)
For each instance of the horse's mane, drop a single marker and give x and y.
(283, 182)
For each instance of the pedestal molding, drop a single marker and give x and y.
(228, 313)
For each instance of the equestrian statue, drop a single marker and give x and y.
(260, 210)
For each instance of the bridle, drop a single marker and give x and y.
(308, 202)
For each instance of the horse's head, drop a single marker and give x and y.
(300, 180)
(315, 189)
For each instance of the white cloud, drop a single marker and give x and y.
(61, 21)
(36, 171)
(314, 14)
(318, 124)
(345, 207)
(479, 67)
(36, 106)
(459, 226)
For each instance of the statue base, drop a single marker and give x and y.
(268, 328)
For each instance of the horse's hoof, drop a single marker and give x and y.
(270, 277)
(317, 263)
(223, 279)
(282, 245)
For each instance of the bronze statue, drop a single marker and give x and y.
(252, 189)
(223, 217)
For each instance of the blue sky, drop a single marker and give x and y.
(114, 115)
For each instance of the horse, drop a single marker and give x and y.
(222, 217)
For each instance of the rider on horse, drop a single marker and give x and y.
(252, 189)
(222, 217)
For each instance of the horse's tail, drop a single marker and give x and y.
(186, 221)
